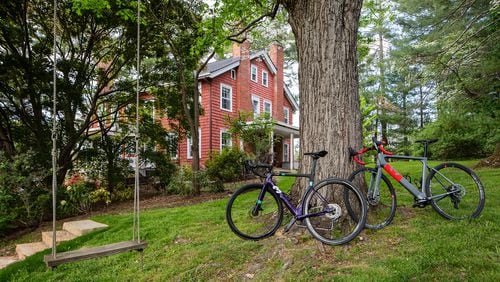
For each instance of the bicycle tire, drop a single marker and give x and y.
(335, 227)
(382, 209)
(466, 202)
(240, 212)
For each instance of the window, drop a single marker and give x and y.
(226, 97)
(233, 74)
(199, 92)
(190, 143)
(286, 152)
(264, 78)
(268, 108)
(225, 139)
(256, 105)
(286, 113)
(172, 148)
(253, 73)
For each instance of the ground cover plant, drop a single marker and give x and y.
(194, 243)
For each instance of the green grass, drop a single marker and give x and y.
(195, 243)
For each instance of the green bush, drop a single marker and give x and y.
(164, 169)
(226, 166)
(122, 193)
(181, 182)
(24, 194)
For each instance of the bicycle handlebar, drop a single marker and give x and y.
(250, 166)
(378, 145)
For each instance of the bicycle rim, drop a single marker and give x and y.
(381, 204)
(467, 193)
(333, 224)
(251, 220)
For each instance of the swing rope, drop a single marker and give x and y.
(136, 225)
(54, 135)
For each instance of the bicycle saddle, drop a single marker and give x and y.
(427, 141)
(317, 155)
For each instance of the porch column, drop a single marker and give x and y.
(271, 150)
(290, 154)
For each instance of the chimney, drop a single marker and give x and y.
(277, 57)
(241, 50)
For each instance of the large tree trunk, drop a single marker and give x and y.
(330, 118)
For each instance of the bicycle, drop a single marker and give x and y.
(453, 190)
(255, 211)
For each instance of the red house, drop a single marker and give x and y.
(250, 82)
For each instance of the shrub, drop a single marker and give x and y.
(122, 193)
(226, 166)
(24, 195)
(181, 182)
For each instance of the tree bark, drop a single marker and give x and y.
(330, 118)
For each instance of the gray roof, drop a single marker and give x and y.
(215, 66)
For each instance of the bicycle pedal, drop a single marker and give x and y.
(289, 225)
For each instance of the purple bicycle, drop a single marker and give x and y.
(255, 211)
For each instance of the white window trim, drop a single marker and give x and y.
(286, 148)
(256, 98)
(222, 85)
(267, 78)
(270, 107)
(199, 93)
(188, 149)
(224, 130)
(233, 74)
(254, 67)
(287, 115)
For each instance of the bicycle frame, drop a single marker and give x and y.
(296, 211)
(421, 196)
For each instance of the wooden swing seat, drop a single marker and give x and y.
(101, 251)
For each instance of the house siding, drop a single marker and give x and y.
(213, 120)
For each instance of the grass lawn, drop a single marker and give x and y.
(195, 243)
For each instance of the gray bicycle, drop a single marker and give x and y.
(453, 190)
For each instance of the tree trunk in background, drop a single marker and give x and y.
(330, 118)
(492, 161)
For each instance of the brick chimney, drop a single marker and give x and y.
(243, 96)
(276, 55)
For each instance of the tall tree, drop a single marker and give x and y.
(95, 45)
(326, 38)
(457, 42)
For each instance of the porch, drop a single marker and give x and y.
(283, 149)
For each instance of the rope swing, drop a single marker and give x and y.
(56, 259)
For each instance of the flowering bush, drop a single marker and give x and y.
(79, 195)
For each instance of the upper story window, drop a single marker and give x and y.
(233, 74)
(268, 107)
(253, 73)
(264, 78)
(226, 97)
(286, 113)
(225, 139)
(256, 105)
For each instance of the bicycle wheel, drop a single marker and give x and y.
(465, 197)
(327, 218)
(381, 205)
(250, 219)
